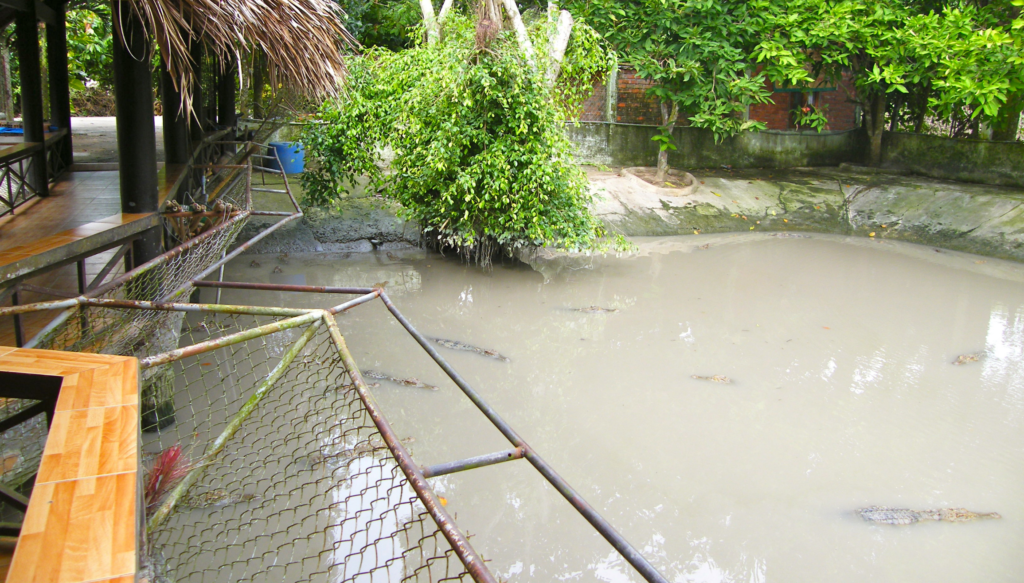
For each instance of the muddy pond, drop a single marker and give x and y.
(843, 394)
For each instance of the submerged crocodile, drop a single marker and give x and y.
(968, 358)
(215, 498)
(904, 516)
(456, 345)
(360, 449)
(595, 310)
(410, 382)
(714, 378)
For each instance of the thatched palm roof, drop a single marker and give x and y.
(304, 40)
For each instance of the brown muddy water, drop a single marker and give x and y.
(843, 395)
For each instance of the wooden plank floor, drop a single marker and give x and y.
(84, 515)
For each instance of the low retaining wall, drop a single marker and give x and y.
(963, 160)
(631, 145)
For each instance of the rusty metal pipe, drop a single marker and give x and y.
(230, 339)
(316, 289)
(353, 303)
(238, 251)
(466, 553)
(625, 549)
(160, 259)
(479, 461)
(207, 308)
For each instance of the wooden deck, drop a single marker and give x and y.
(84, 516)
(74, 219)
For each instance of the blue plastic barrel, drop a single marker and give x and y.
(292, 156)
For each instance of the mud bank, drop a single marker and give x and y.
(974, 218)
(981, 219)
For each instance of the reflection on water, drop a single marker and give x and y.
(844, 395)
(1003, 364)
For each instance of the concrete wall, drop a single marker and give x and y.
(955, 159)
(631, 145)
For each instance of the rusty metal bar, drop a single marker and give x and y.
(160, 259)
(316, 289)
(353, 303)
(623, 546)
(238, 251)
(230, 339)
(479, 461)
(271, 213)
(186, 307)
(38, 306)
(469, 557)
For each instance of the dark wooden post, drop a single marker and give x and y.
(226, 96)
(60, 87)
(258, 65)
(136, 134)
(31, 91)
(175, 123)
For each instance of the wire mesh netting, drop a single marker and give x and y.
(263, 461)
(306, 490)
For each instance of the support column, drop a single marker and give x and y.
(136, 134)
(60, 87)
(175, 123)
(258, 65)
(226, 96)
(31, 92)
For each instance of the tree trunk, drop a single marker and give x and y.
(1006, 125)
(874, 125)
(8, 97)
(669, 124)
(258, 64)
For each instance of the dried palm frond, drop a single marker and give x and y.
(304, 40)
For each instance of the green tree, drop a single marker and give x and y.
(481, 159)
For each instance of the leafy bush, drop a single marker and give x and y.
(481, 159)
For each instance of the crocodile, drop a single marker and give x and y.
(595, 310)
(410, 382)
(968, 358)
(456, 345)
(215, 498)
(904, 516)
(360, 449)
(714, 378)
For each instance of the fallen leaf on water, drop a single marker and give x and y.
(773, 213)
(883, 226)
(826, 327)
(871, 234)
(759, 222)
(817, 207)
(785, 220)
(702, 182)
(744, 217)
(751, 227)
(736, 201)
(981, 261)
(443, 500)
(696, 232)
(716, 194)
(667, 183)
(735, 215)
(757, 198)
(206, 363)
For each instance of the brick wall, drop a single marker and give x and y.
(633, 106)
(594, 106)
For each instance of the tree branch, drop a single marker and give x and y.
(558, 42)
(521, 36)
(444, 12)
(429, 21)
